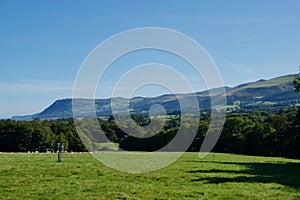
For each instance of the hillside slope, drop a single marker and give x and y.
(270, 94)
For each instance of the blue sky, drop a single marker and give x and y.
(43, 43)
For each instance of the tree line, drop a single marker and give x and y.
(37, 135)
(255, 133)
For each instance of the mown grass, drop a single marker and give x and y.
(217, 176)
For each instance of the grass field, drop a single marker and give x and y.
(217, 176)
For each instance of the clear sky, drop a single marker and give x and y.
(43, 43)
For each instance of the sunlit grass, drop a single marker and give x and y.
(81, 176)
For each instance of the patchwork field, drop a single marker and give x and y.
(217, 176)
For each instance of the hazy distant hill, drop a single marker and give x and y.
(270, 94)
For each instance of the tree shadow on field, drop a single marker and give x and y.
(284, 173)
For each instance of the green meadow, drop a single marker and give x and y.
(81, 176)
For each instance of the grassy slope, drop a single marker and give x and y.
(273, 82)
(80, 176)
(283, 80)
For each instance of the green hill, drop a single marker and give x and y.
(273, 94)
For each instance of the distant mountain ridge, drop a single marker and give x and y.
(270, 94)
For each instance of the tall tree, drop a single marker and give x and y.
(297, 82)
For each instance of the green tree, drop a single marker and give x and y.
(297, 82)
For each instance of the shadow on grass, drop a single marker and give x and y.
(287, 174)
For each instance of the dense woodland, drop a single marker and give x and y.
(254, 133)
(36, 135)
